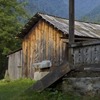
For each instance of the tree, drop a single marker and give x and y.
(12, 15)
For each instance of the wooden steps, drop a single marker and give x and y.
(51, 78)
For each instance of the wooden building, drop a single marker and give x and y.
(15, 64)
(45, 37)
(68, 46)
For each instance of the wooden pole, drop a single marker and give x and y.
(71, 21)
(71, 32)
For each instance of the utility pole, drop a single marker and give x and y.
(71, 21)
(71, 32)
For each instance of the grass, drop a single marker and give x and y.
(15, 90)
(9, 90)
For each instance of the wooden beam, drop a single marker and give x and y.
(51, 78)
(86, 43)
(79, 39)
(97, 65)
(71, 32)
(71, 21)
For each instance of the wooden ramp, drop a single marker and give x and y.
(51, 78)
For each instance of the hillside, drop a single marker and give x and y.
(48, 6)
(93, 16)
(60, 7)
(84, 7)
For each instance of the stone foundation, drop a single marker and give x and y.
(85, 85)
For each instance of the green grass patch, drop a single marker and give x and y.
(9, 90)
(15, 90)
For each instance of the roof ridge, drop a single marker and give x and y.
(66, 18)
(51, 15)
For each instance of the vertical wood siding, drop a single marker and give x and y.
(43, 42)
(15, 65)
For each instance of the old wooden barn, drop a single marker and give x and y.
(54, 48)
(45, 37)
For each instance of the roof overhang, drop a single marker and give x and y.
(29, 25)
(12, 52)
(82, 29)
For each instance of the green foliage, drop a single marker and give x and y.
(12, 16)
(11, 13)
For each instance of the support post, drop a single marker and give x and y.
(71, 21)
(71, 32)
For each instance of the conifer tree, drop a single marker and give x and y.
(12, 15)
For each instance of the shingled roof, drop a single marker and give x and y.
(82, 29)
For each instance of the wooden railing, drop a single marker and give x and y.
(86, 53)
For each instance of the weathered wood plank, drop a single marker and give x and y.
(89, 54)
(89, 67)
(57, 57)
(71, 30)
(39, 44)
(47, 39)
(86, 43)
(61, 58)
(52, 43)
(71, 21)
(51, 78)
(15, 65)
(42, 43)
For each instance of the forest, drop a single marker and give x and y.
(12, 18)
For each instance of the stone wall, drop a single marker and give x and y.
(82, 85)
